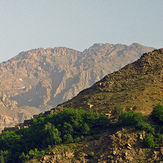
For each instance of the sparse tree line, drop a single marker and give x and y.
(72, 126)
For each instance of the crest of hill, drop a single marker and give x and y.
(138, 86)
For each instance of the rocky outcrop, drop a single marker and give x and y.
(39, 79)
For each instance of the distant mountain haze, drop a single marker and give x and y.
(39, 79)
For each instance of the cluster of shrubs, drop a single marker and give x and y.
(65, 127)
(72, 126)
(153, 125)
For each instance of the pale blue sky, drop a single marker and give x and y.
(78, 24)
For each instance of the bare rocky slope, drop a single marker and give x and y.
(39, 79)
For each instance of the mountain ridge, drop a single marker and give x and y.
(39, 79)
(137, 86)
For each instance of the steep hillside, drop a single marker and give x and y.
(39, 79)
(137, 86)
(76, 135)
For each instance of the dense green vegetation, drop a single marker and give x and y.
(72, 126)
(65, 127)
(152, 125)
(157, 114)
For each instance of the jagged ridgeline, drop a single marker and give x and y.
(39, 79)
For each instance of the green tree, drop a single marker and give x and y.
(157, 114)
(4, 156)
(85, 129)
(145, 126)
(131, 118)
(68, 138)
(67, 128)
(149, 140)
(24, 157)
(52, 134)
(2, 160)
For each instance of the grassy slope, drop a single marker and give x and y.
(137, 87)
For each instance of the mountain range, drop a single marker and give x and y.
(37, 80)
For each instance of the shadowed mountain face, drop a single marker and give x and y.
(39, 79)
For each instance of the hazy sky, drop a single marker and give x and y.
(78, 24)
